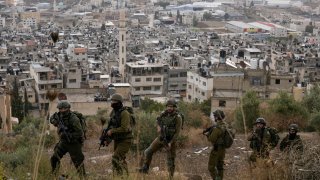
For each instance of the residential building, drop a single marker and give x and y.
(177, 82)
(73, 77)
(2, 21)
(146, 79)
(199, 86)
(46, 78)
(30, 17)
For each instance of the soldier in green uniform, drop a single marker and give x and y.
(168, 125)
(292, 142)
(260, 140)
(121, 133)
(71, 138)
(215, 136)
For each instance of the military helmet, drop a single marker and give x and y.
(294, 127)
(117, 97)
(171, 102)
(219, 114)
(261, 121)
(63, 104)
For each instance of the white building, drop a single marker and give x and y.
(2, 21)
(241, 27)
(199, 88)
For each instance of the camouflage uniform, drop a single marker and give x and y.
(170, 124)
(288, 144)
(122, 136)
(217, 154)
(260, 144)
(71, 143)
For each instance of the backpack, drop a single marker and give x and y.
(274, 136)
(132, 116)
(228, 138)
(82, 122)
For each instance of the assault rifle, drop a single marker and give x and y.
(105, 139)
(62, 128)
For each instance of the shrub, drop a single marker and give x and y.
(16, 158)
(250, 104)
(145, 130)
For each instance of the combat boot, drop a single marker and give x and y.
(144, 169)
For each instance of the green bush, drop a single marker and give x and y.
(50, 140)
(17, 158)
(315, 122)
(145, 130)
(250, 104)
(36, 122)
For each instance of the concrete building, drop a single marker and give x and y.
(146, 79)
(30, 18)
(199, 88)
(177, 82)
(73, 77)
(241, 27)
(2, 22)
(46, 78)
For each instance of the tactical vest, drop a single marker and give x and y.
(168, 123)
(115, 122)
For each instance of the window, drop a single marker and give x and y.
(54, 86)
(149, 79)
(72, 71)
(196, 79)
(183, 74)
(157, 88)
(184, 85)
(122, 49)
(256, 81)
(137, 88)
(72, 80)
(30, 96)
(203, 93)
(173, 85)
(222, 103)
(137, 80)
(189, 97)
(277, 81)
(191, 77)
(174, 75)
(147, 88)
(204, 83)
(156, 79)
(189, 86)
(290, 80)
(122, 37)
(41, 87)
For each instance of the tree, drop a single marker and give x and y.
(205, 107)
(286, 110)
(26, 103)
(16, 102)
(194, 21)
(311, 99)
(309, 28)
(103, 27)
(250, 105)
(207, 16)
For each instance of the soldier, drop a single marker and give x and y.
(168, 126)
(215, 136)
(260, 140)
(71, 138)
(292, 142)
(121, 133)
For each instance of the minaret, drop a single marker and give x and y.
(14, 23)
(122, 43)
